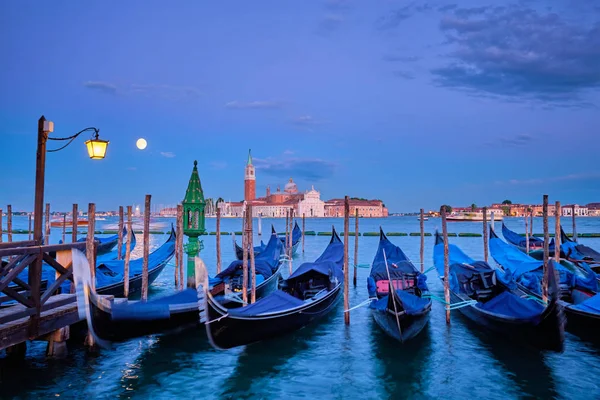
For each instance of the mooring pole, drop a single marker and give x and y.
(127, 253)
(287, 219)
(346, 272)
(1, 231)
(422, 250)
(120, 243)
(557, 237)
(546, 249)
(219, 239)
(355, 245)
(179, 241)
(64, 228)
(74, 223)
(47, 241)
(178, 255)
(485, 235)
(146, 247)
(574, 224)
(90, 241)
(303, 230)
(245, 255)
(9, 223)
(526, 232)
(492, 221)
(531, 224)
(446, 264)
(29, 232)
(259, 224)
(290, 249)
(252, 265)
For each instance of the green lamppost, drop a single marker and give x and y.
(193, 222)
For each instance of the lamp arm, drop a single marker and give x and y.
(71, 138)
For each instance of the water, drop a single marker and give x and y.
(326, 360)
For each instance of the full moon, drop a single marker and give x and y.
(141, 143)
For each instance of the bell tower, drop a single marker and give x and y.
(249, 180)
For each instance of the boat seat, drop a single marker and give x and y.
(383, 286)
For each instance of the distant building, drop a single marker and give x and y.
(168, 212)
(277, 204)
(366, 208)
(580, 211)
(593, 209)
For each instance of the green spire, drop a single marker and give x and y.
(249, 157)
(194, 193)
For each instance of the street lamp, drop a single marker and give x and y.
(96, 150)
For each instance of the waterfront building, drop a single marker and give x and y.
(580, 211)
(366, 208)
(593, 209)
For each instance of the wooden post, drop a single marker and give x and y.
(492, 221)
(245, 255)
(90, 241)
(485, 235)
(9, 222)
(219, 240)
(346, 272)
(546, 249)
(64, 228)
(290, 251)
(574, 224)
(259, 224)
(355, 245)
(146, 248)
(74, 222)
(1, 231)
(252, 265)
(446, 264)
(29, 235)
(531, 223)
(47, 241)
(303, 230)
(557, 212)
(180, 245)
(177, 254)
(287, 219)
(127, 253)
(526, 232)
(120, 242)
(422, 252)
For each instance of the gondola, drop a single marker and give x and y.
(239, 251)
(114, 255)
(578, 291)
(519, 241)
(105, 245)
(579, 253)
(308, 294)
(122, 319)
(404, 314)
(109, 274)
(492, 299)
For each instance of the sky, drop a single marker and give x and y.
(415, 103)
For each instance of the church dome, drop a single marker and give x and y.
(290, 187)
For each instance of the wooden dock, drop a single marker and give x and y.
(32, 309)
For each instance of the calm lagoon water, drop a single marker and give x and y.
(327, 360)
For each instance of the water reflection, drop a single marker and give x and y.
(525, 366)
(401, 368)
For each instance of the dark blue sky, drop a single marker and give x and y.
(418, 103)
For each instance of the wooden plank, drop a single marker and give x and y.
(22, 243)
(18, 297)
(55, 285)
(52, 262)
(8, 267)
(39, 249)
(13, 313)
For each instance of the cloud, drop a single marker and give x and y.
(103, 87)
(519, 53)
(329, 23)
(396, 17)
(400, 59)
(594, 175)
(218, 165)
(310, 169)
(167, 92)
(404, 75)
(306, 121)
(167, 154)
(521, 140)
(258, 104)
(288, 152)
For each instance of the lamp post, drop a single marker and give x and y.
(96, 151)
(193, 222)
